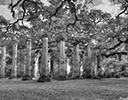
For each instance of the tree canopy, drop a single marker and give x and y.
(65, 19)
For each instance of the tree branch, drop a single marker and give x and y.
(23, 7)
(124, 10)
(114, 53)
(57, 9)
(115, 46)
(13, 6)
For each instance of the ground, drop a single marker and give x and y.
(84, 89)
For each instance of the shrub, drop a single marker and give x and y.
(114, 68)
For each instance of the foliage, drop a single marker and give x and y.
(71, 21)
(113, 66)
(87, 67)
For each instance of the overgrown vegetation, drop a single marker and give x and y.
(103, 39)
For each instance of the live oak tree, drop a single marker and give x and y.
(53, 20)
(69, 20)
(66, 18)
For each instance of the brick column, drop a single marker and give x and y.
(3, 62)
(95, 67)
(27, 74)
(77, 50)
(14, 61)
(89, 53)
(76, 63)
(44, 76)
(44, 57)
(62, 60)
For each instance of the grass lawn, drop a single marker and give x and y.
(85, 89)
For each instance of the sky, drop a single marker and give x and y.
(104, 5)
(107, 6)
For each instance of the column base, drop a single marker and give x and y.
(44, 78)
(74, 75)
(26, 77)
(12, 77)
(2, 76)
(62, 78)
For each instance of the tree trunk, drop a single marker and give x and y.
(3, 62)
(14, 62)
